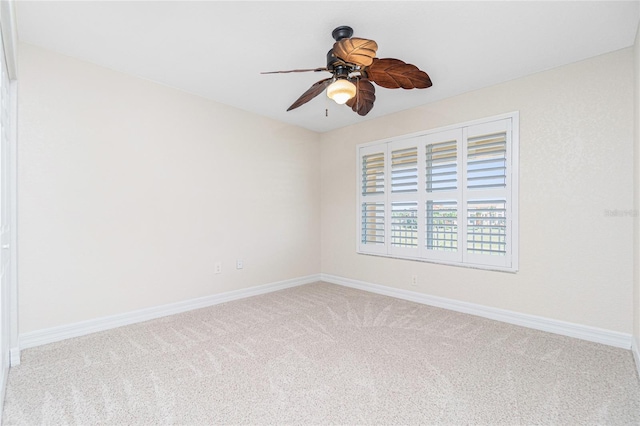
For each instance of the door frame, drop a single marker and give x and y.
(9, 308)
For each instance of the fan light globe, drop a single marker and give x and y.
(341, 91)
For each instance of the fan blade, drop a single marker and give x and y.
(358, 51)
(301, 70)
(311, 93)
(365, 96)
(394, 73)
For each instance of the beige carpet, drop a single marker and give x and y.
(322, 354)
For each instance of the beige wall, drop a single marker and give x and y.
(576, 263)
(129, 191)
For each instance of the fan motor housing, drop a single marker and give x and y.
(332, 60)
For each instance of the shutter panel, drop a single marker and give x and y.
(443, 195)
(487, 207)
(403, 198)
(372, 217)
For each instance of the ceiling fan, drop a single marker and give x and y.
(353, 65)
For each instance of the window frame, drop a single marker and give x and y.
(461, 195)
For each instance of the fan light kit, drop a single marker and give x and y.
(341, 91)
(354, 65)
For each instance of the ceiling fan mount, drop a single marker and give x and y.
(342, 32)
(354, 66)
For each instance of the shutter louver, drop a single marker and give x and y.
(404, 224)
(372, 223)
(442, 225)
(404, 170)
(487, 161)
(486, 227)
(442, 166)
(373, 174)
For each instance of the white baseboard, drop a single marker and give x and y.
(55, 334)
(593, 334)
(635, 348)
(584, 332)
(14, 357)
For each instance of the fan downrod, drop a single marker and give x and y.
(342, 32)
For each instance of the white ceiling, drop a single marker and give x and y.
(218, 49)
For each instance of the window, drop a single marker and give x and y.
(446, 196)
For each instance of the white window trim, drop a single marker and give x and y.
(513, 223)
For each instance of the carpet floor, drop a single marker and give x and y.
(323, 354)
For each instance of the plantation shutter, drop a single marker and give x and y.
(448, 196)
(488, 193)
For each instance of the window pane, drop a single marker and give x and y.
(442, 225)
(373, 174)
(442, 166)
(404, 170)
(404, 224)
(372, 223)
(486, 161)
(487, 227)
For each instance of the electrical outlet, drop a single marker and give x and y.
(239, 264)
(217, 268)
(414, 280)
